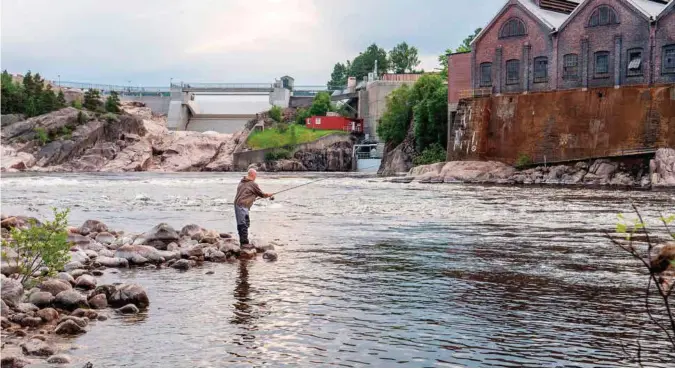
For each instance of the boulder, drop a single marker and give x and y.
(191, 231)
(41, 299)
(270, 255)
(622, 179)
(65, 277)
(30, 321)
(5, 323)
(604, 168)
(11, 291)
(86, 282)
(36, 347)
(139, 254)
(159, 236)
(48, 314)
(77, 273)
(93, 226)
(69, 300)
(475, 171)
(106, 253)
(81, 242)
(88, 313)
(211, 237)
(247, 253)
(129, 294)
(59, 359)
(662, 168)
(182, 264)
(91, 254)
(73, 265)
(69, 327)
(98, 302)
(80, 321)
(129, 309)
(105, 238)
(213, 254)
(113, 262)
(25, 307)
(4, 309)
(196, 250)
(12, 361)
(106, 289)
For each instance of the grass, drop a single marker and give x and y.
(272, 137)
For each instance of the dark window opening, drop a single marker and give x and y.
(513, 28)
(602, 16)
(486, 74)
(512, 72)
(602, 64)
(540, 69)
(668, 59)
(571, 67)
(634, 62)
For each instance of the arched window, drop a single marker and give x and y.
(602, 16)
(512, 28)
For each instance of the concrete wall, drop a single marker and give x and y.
(564, 124)
(221, 125)
(242, 159)
(376, 97)
(158, 104)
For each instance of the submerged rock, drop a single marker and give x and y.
(37, 348)
(59, 359)
(129, 309)
(182, 264)
(69, 327)
(93, 226)
(98, 302)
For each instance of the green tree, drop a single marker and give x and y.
(338, 79)
(92, 100)
(61, 100)
(301, 116)
(321, 104)
(13, 99)
(48, 100)
(430, 110)
(40, 247)
(465, 46)
(31, 107)
(393, 125)
(275, 113)
(112, 103)
(364, 63)
(403, 58)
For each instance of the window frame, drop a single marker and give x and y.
(516, 80)
(482, 82)
(516, 33)
(569, 76)
(629, 60)
(544, 78)
(596, 73)
(595, 20)
(664, 69)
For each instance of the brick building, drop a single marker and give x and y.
(543, 45)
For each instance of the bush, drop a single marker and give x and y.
(81, 117)
(111, 118)
(41, 246)
(435, 153)
(277, 155)
(301, 116)
(77, 104)
(112, 103)
(523, 161)
(42, 135)
(92, 100)
(281, 127)
(275, 113)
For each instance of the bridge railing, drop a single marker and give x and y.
(108, 87)
(216, 86)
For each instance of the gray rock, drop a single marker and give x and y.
(88, 313)
(106, 253)
(594, 179)
(573, 178)
(622, 179)
(77, 273)
(98, 302)
(192, 231)
(105, 238)
(113, 262)
(581, 165)
(97, 273)
(263, 248)
(5, 323)
(25, 307)
(80, 321)
(59, 359)
(41, 299)
(48, 314)
(86, 282)
(181, 264)
(81, 242)
(11, 361)
(270, 255)
(210, 272)
(129, 309)
(196, 250)
(4, 309)
(139, 254)
(106, 289)
(184, 242)
(247, 253)
(11, 291)
(69, 300)
(66, 277)
(73, 265)
(172, 247)
(69, 327)
(159, 236)
(93, 226)
(129, 294)
(16, 318)
(37, 348)
(215, 255)
(31, 321)
(91, 254)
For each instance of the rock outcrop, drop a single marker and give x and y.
(398, 159)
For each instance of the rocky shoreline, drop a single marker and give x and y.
(37, 322)
(658, 173)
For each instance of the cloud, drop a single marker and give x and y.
(149, 41)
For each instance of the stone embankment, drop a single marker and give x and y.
(72, 140)
(600, 172)
(336, 157)
(37, 322)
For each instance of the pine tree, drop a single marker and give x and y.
(48, 101)
(92, 100)
(61, 100)
(112, 103)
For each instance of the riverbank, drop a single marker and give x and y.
(656, 173)
(37, 322)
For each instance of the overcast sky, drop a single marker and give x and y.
(150, 41)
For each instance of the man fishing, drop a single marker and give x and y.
(247, 192)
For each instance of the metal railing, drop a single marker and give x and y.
(224, 86)
(108, 87)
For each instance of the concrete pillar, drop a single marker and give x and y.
(583, 59)
(526, 67)
(617, 60)
(497, 66)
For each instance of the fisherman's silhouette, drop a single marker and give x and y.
(245, 313)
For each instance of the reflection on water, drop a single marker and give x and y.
(369, 273)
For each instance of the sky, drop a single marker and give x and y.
(150, 42)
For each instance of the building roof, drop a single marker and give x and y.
(665, 10)
(650, 9)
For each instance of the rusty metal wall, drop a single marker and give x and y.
(564, 125)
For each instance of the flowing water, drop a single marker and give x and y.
(369, 273)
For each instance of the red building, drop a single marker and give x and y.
(335, 123)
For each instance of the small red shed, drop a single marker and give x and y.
(335, 123)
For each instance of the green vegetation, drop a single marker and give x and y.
(276, 114)
(301, 115)
(433, 154)
(425, 106)
(321, 104)
(359, 68)
(464, 47)
(523, 161)
(42, 249)
(297, 134)
(42, 135)
(403, 58)
(92, 100)
(278, 154)
(112, 103)
(31, 97)
(77, 104)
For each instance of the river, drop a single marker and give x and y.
(370, 273)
